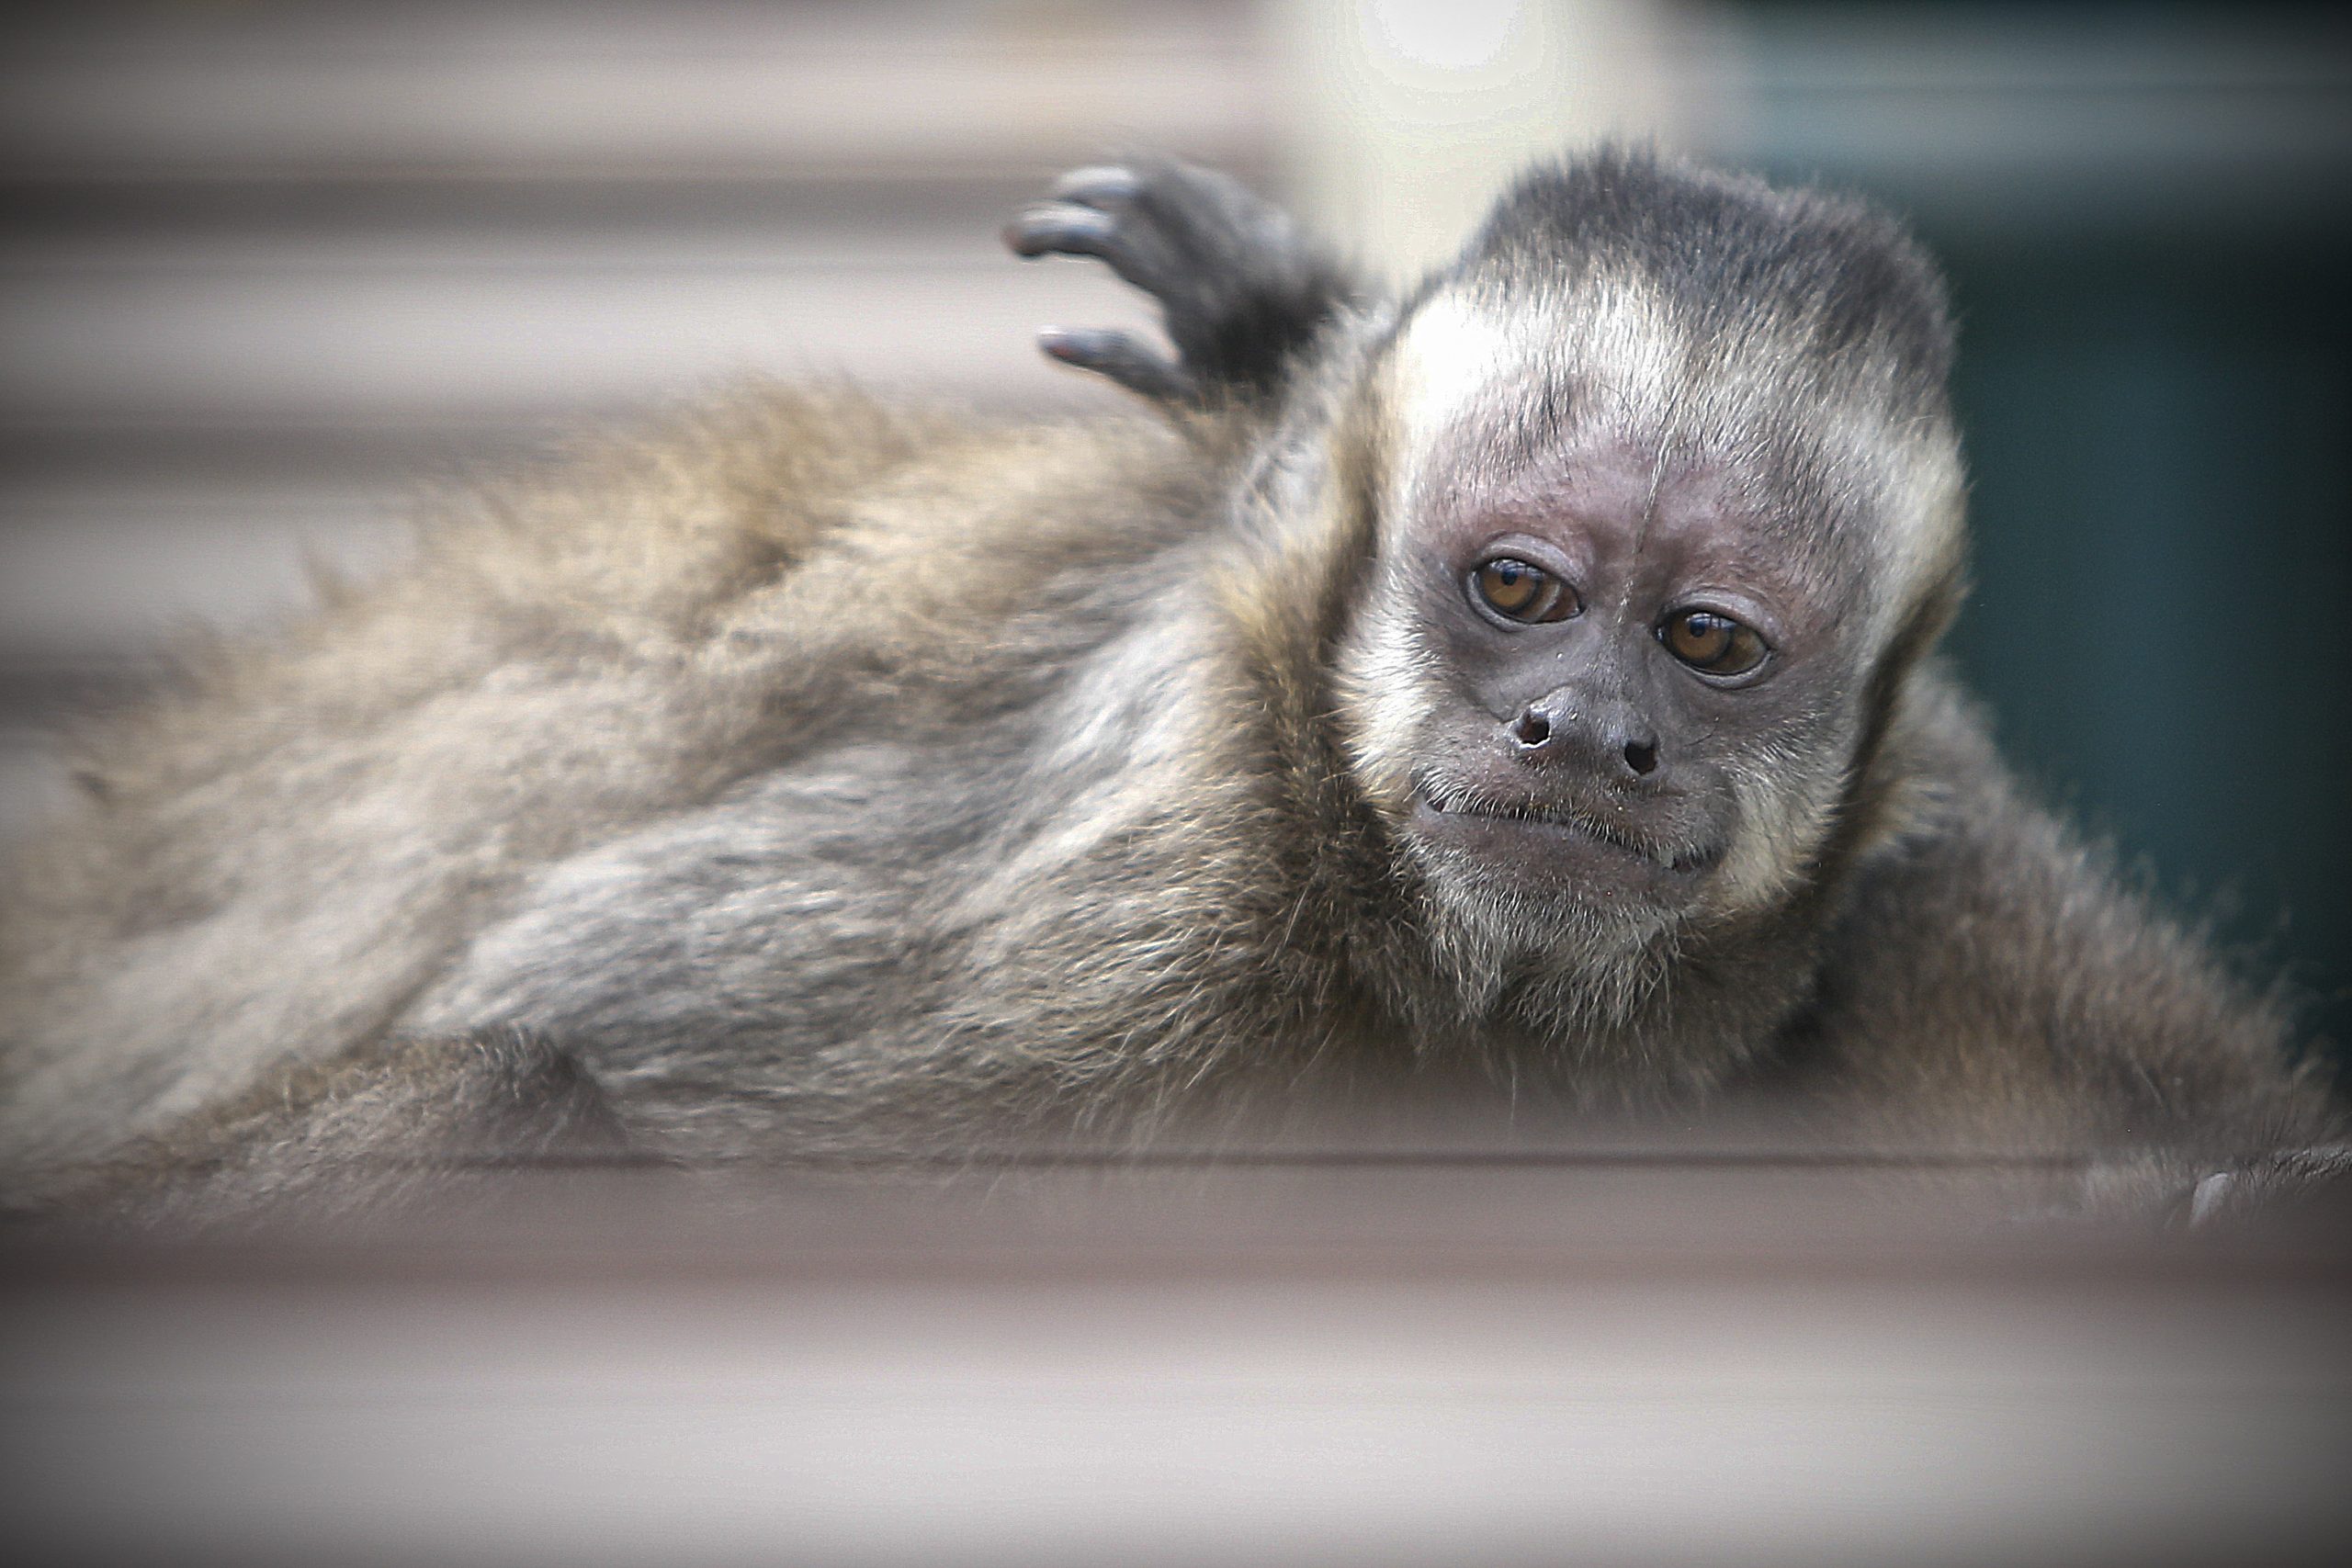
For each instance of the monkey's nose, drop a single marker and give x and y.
(1543, 733)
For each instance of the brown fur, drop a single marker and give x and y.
(810, 775)
(648, 621)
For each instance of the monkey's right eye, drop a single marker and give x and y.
(1521, 591)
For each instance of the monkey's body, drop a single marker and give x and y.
(820, 777)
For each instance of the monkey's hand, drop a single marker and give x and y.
(1239, 289)
(2314, 1182)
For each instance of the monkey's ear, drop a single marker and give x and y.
(1237, 288)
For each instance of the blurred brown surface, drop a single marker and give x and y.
(1445, 1356)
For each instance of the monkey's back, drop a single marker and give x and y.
(275, 856)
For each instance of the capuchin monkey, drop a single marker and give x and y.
(1520, 694)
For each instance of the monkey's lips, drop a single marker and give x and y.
(1536, 845)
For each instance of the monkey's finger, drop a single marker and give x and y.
(1121, 356)
(1137, 255)
(1098, 184)
(1062, 228)
(1198, 241)
(1189, 216)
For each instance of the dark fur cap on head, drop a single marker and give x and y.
(1843, 274)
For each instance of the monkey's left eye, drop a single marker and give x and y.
(1521, 591)
(1711, 644)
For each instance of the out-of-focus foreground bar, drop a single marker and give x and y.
(1442, 1356)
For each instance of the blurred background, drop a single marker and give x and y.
(276, 268)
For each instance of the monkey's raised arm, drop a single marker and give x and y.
(1241, 291)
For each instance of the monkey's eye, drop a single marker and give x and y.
(1521, 591)
(1711, 644)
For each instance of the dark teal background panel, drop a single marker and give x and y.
(2159, 436)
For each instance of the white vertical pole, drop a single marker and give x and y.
(1407, 115)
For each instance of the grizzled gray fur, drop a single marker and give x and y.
(1522, 694)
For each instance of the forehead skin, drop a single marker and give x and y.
(1603, 408)
(1639, 520)
(1796, 340)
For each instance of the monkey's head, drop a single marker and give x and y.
(1666, 502)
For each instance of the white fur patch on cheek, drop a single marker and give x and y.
(1387, 692)
(1450, 356)
(1921, 535)
(1786, 814)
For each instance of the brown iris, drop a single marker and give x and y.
(1711, 644)
(1521, 591)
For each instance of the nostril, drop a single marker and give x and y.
(1532, 729)
(1641, 756)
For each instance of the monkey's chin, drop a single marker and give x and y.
(1554, 858)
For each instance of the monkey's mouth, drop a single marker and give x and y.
(1448, 806)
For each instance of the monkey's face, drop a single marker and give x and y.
(1612, 661)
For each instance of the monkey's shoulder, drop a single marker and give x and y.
(774, 509)
(1993, 965)
(298, 831)
(767, 550)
